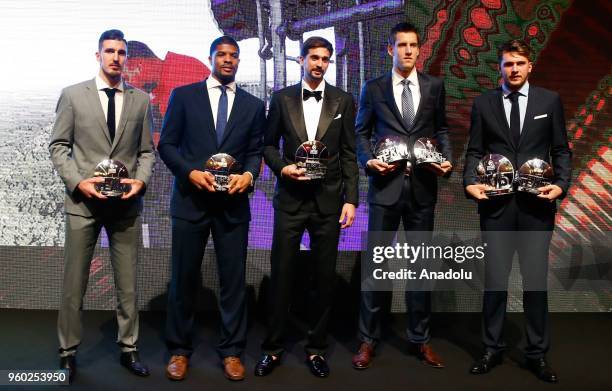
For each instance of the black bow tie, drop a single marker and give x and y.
(307, 94)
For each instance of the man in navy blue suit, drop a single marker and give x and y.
(409, 104)
(203, 119)
(519, 121)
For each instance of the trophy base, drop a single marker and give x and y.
(529, 190)
(426, 161)
(498, 192)
(112, 188)
(221, 183)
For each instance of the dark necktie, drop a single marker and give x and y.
(307, 94)
(407, 104)
(221, 114)
(515, 117)
(110, 113)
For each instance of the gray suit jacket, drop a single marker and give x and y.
(81, 140)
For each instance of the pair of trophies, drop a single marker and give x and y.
(496, 171)
(395, 150)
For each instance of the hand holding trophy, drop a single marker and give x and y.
(111, 172)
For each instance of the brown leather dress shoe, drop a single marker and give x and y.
(233, 368)
(427, 355)
(363, 358)
(177, 367)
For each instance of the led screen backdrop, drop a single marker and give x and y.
(50, 45)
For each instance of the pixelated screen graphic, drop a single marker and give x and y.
(52, 45)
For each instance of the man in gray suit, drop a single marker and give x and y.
(100, 119)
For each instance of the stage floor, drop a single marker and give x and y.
(581, 344)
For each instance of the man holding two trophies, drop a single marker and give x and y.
(102, 128)
(517, 125)
(316, 190)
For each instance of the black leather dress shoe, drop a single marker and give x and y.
(266, 365)
(69, 363)
(486, 363)
(318, 366)
(542, 370)
(131, 360)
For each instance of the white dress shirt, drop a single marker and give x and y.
(522, 101)
(312, 109)
(398, 89)
(214, 94)
(100, 85)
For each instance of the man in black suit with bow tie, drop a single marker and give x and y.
(521, 122)
(203, 119)
(308, 111)
(408, 104)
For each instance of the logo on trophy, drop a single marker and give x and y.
(312, 156)
(497, 172)
(112, 171)
(393, 149)
(222, 165)
(426, 151)
(533, 174)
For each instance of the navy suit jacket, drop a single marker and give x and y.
(543, 136)
(378, 116)
(188, 139)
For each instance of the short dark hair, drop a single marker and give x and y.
(516, 45)
(316, 42)
(403, 27)
(223, 40)
(114, 34)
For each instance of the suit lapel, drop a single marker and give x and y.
(235, 114)
(93, 100)
(330, 105)
(529, 113)
(128, 98)
(387, 88)
(425, 90)
(495, 100)
(293, 102)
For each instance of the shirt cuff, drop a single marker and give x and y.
(252, 177)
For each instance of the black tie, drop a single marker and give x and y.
(312, 94)
(515, 117)
(110, 114)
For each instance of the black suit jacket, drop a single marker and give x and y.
(379, 116)
(335, 130)
(188, 139)
(544, 137)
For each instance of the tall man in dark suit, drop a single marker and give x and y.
(102, 118)
(203, 119)
(520, 122)
(408, 104)
(310, 110)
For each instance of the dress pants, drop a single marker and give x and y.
(418, 303)
(81, 237)
(188, 243)
(513, 230)
(324, 231)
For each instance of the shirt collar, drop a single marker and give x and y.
(523, 91)
(211, 83)
(413, 77)
(320, 87)
(101, 84)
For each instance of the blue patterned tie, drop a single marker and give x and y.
(221, 114)
(407, 104)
